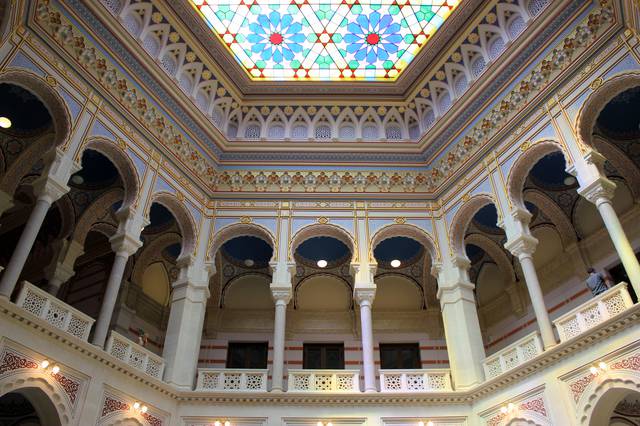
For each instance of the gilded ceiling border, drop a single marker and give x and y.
(91, 59)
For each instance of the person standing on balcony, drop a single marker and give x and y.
(597, 282)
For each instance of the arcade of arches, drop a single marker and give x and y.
(204, 227)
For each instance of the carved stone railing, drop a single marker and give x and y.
(597, 310)
(226, 380)
(55, 312)
(431, 380)
(324, 381)
(517, 353)
(135, 355)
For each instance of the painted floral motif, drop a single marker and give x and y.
(11, 362)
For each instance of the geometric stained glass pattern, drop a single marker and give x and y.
(324, 40)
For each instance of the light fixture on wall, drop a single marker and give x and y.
(5, 122)
(395, 263)
(46, 364)
(139, 408)
(219, 423)
(509, 408)
(602, 366)
(78, 180)
(249, 263)
(428, 423)
(569, 180)
(322, 263)
(324, 424)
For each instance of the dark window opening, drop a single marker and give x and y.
(323, 356)
(247, 355)
(401, 356)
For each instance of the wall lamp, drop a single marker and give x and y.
(46, 364)
(219, 423)
(324, 424)
(509, 408)
(428, 423)
(602, 366)
(139, 408)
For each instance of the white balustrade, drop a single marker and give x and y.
(54, 311)
(324, 381)
(431, 380)
(135, 355)
(517, 353)
(597, 310)
(226, 380)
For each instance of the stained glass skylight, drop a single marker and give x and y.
(324, 40)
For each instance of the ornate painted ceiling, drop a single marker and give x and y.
(327, 40)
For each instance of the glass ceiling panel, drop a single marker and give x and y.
(324, 40)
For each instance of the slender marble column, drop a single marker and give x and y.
(364, 297)
(601, 193)
(281, 298)
(124, 246)
(523, 248)
(49, 193)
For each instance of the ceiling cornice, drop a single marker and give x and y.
(185, 16)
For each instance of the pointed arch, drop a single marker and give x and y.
(323, 230)
(408, 231)
(54, 103)
(524, 163)
(299, 120)
(183, 219)
(558, 217)
(122, 163)
(462, 219)
(150, 252)
(236, 230)
(93, 213)
(495, 252)
(598, 99)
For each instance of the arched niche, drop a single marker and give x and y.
(397, 293)
(462, 219)
(236, 230)
(408, 231)
(248, 291)
(323, 293)
(183, 218)
(155, 283)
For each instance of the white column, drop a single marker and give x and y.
(364, 297)
(281, 297)
(49, 191)
(523, 248)
(600, 192)
(461, 325)
(124, 246)
(62, 268)
(186, 321)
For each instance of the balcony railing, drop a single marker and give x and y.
(606, 305)
(513, 355)
(415, 380)
(55, 312)
(135, 355)
(324, 381)
(212, 379)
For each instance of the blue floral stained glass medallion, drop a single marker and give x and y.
(324, 40)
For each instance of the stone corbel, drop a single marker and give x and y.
(363, 272)
(364, 294)
(282, 273)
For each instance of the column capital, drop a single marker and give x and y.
(363, 272)
(185, 289)
(599, 191)
(365, 295)
(522, 245)
(281, 294)
(521, 215)
(125, 242)
(455, 292)
(282, 273)
(49, 189)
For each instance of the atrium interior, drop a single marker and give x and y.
(320, 212)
